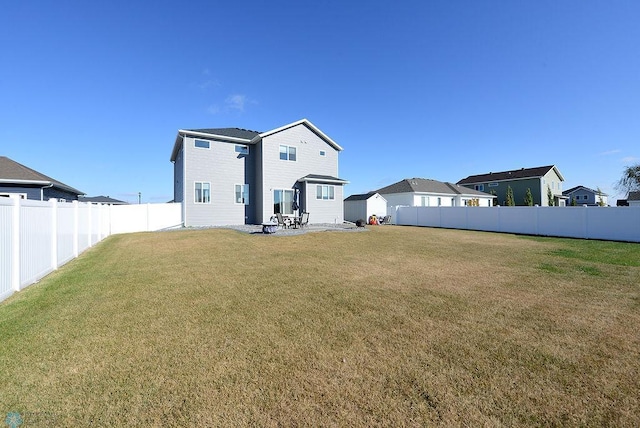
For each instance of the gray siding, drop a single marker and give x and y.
(178, 176)
(221, 166)
(283, 174)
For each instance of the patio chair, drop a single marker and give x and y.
(284, 222)
(304, 220)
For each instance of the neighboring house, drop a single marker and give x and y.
(539, 180)
(227, 176)
(361, 207)
(633, 199)
(106, 200)
(585, 196)
(421, 192)
(17, 180)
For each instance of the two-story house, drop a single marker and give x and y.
(226, 176)
(542, 181)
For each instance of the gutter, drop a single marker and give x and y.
(42, 190)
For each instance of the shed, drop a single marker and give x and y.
(361, 207)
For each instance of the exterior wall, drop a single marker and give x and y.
(223, 168)
(552, 180)
(415, 200)
(40, 193)
(519, 188)
(284, 174)
(178, 177)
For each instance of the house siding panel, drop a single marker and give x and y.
(178, 175)
(220, 166)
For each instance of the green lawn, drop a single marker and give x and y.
(398, 326)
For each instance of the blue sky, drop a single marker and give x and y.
(93, 93)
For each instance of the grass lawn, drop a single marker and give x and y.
(398, 326)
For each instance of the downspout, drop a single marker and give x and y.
(49, 186)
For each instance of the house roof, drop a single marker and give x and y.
(633, 196)
(102, 200)
(315, 178)
(539, 171)
(424, 185)
(573, 189)
(12, 172)
(361, 197)
(245, 136)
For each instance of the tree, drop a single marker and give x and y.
(528, 198)
(574, 202)
(549, 196)
(600, 198)
(630, 180)
(510, 202)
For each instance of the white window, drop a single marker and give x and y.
(325, 192)
(242, 194)
(283, 202)
(323, 153)
(493, 184)
(479, 187)
(424, 201)
(14, 195)
(287, 153)
(202, 192)
(203, 144)
(243, 150)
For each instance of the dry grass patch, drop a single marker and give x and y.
(399, 326)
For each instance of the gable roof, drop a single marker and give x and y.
(573, 189)
(12, 172)
(515, 174)
(309, 125)
(315, 178)
(423, 185)
(362, 197)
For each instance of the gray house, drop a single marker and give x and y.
(226, 176)
(423, 192)
(23, 182)
(539, 179)
(585, 196)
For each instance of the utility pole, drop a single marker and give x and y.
(139, 198)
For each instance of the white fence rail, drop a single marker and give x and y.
(38, 237)
(607, 223)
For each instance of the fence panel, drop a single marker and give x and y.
(36, 240)
(607, 223)
(148, 217)
(66, 232)
(6, 244)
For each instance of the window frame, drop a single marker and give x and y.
(242, 149)
(244, 194)
(205, 197)
(282, 203)
(195, 144)
(288, 153)
(330, 192)
(479, 187)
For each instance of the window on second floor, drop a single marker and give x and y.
(203, 144)
(287, 153)
(479, 187)
(243, 150)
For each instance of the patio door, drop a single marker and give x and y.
(283, 201)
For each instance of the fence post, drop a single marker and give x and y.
(15, 245)
(54, 233)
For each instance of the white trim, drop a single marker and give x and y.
(214, 136)
(194, 192)
(305, 122)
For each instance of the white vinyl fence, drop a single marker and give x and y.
(38, 237)
(607, 223)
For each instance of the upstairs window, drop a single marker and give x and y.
(325, 192)
(203, 144)
(243, 150)
(323, 153)
(479, 187)
(288, 153)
